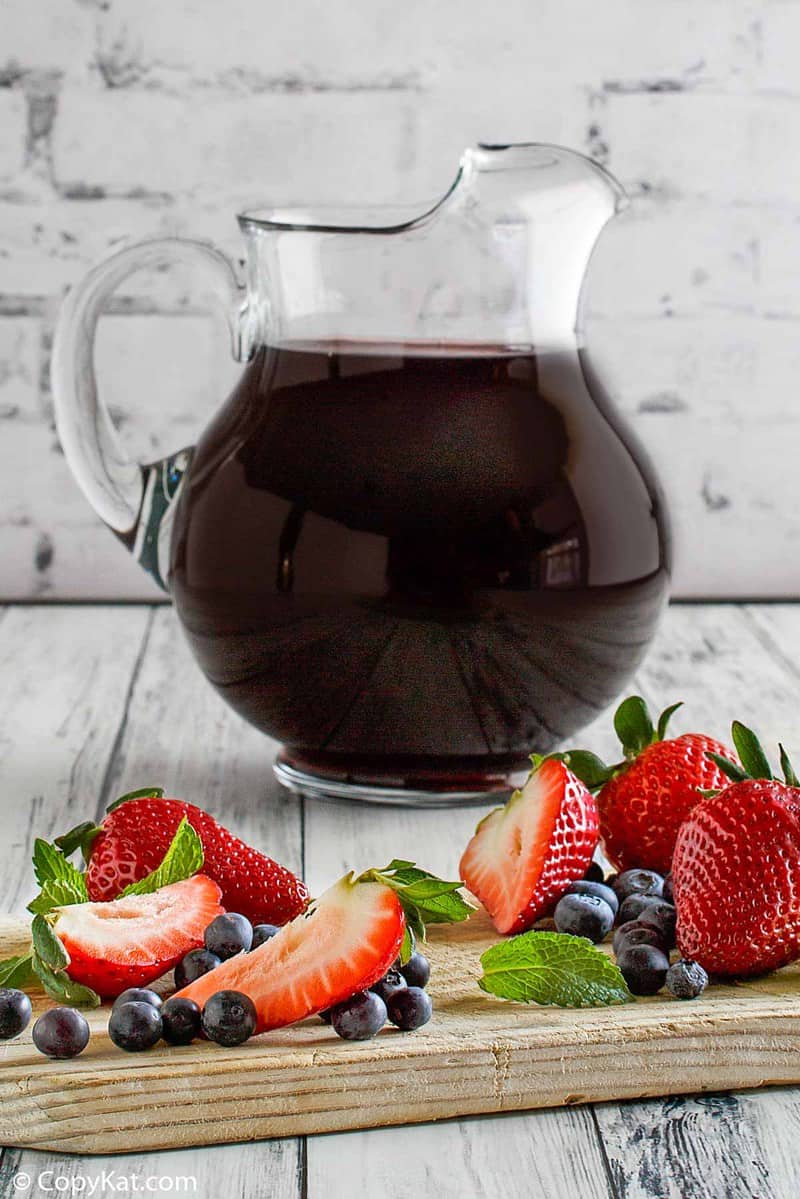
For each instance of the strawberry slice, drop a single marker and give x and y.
(129, 942)
(346, 941)
(524, 856)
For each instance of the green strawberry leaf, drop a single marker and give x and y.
(59, 985)
(664, 719)
(634, 726)
(60, 881)
(554, 969)
(586, 766)
(751, 755)
(183, 859)
(17, 972)
(787, 768)
(727, 767)
(79, 837)
(142, 793)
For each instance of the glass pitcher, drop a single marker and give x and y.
(415, 544)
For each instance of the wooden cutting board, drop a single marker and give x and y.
(478, 1054)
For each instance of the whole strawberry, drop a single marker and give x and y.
(736, 869)
(136, 833)
(643, 800)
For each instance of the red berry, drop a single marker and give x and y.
(736, 879)
(642, 808)
(523, 857)
(135, 836)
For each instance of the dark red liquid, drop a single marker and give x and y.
(401, 564)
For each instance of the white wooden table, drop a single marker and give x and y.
(97, 700)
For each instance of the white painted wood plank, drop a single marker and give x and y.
(549, 1155)
(717, 1146)
(64, 677)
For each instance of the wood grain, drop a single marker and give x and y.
(478, 1055)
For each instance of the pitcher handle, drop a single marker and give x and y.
(136, 500)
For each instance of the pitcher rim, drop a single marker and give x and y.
(286, 219)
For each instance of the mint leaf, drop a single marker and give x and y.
(60, 986)
(57, 894)
(60, 881)
(554, 969)
(426, 899)
(406, 946)
(18, 972)
(183, 859)
(46, 945)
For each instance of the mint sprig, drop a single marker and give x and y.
(183, 859)
(18, 972)
(554, 969)
(61, 883)
(425, 899)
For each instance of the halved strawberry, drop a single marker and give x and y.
(524, 856)
(129, 942)
(346, 941)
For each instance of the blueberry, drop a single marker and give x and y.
(194, 965)
(584, 916)
(410, 1009)
(637, 882)
(636, 933)
(180, 1021)
(686, 979)
(632, 907)
(663, 917)
(667, 892)
(134, 1026)
(594, 874)
(644, 968)
(416, 971)
(599, 889)
(361, 1016)
(61, 1033)
(15, 1012)
(325, 1015)
(262, 933)
(139, 995)
(228, 935)
(391, 981)
(229, 1018)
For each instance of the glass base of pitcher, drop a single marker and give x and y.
(428, 789)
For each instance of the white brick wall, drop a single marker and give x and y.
(130, 118)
